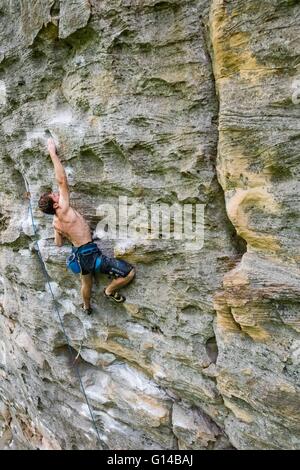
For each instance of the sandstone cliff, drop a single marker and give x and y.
(162, 102)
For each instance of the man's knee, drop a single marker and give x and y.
(131, 274)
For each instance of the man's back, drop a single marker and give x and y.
(72, 225)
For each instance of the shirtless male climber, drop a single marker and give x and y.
(86, 258)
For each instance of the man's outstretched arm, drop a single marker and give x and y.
(60, 176)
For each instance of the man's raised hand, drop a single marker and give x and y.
(51, 146)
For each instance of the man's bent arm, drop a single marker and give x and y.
(58, 239)
(60, 175)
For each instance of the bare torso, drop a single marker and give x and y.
(72, 226)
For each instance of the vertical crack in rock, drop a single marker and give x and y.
(238, 244)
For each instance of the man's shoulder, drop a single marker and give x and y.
(64, 213)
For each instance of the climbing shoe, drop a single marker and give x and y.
(88, 311)
(116, 297)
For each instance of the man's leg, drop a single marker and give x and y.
(86, 290)
(119, 282)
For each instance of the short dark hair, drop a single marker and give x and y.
(46, 204)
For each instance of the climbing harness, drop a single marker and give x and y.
(84, 259)
(47, 278)
(73, 263)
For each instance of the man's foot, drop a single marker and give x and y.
(115, 296)
(88, 310)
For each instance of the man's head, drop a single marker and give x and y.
(48, 203)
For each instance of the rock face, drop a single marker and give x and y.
(255, 66)
(177, 102)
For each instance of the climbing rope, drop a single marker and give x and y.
(47, 278)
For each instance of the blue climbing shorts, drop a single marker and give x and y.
(114, 267)
(88, 259)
